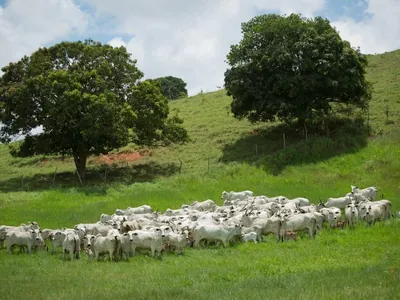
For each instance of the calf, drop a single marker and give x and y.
(340, 224)
(289, 234)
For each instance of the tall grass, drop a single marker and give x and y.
(225, 154)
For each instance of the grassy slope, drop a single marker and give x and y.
(337, 265)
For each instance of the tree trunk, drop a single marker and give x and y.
(80, 164)
(302, 126)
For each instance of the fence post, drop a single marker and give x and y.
(79, 176)
(256, 150)
(180, 166)
(22, 181)
(305, 131)
(387, 113)
(284, 140)
(54, 176)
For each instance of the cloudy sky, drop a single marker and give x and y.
(183, 38)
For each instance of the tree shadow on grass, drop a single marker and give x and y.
(97, 178)
(325, 139)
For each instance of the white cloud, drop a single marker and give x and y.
(379, 33)
(26, 26)
(187, 39)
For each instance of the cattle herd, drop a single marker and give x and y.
(242, 217)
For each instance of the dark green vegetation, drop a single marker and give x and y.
(224, 154)
(171, 87)
(89, 100)
(289, 67)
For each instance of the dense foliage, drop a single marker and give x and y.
(88, 99)
(290, 67)
(171, 87)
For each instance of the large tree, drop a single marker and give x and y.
(290, 67)
(171, 87)
(88, 99)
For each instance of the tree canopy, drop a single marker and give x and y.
(88, 99)
(291, 67)
(171, 87)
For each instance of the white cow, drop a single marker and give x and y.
(146, 239)
(340, 202)
(250, 236)
(369, 192)
(143, 209)
(298, 222)
(116, 218)
(386, 204)
(236, 195)
(351, 215)
(372, 213)
(178, 240)
(71, 244)
(332, 215)
(22, 238)
(206, 205)
(126, 245)
(220, 232)
(23, 227)
(102, 244)
(267, 225)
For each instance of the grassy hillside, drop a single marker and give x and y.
(225, 154)
(219, 139)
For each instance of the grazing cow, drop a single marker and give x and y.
(299, 222)
(236, 195)
(22, 238)
(250, 236)
(71, 244)
(220, 232)
(290, 235)
(351, 215)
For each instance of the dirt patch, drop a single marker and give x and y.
(119, 157)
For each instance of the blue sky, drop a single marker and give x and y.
(187, 39)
